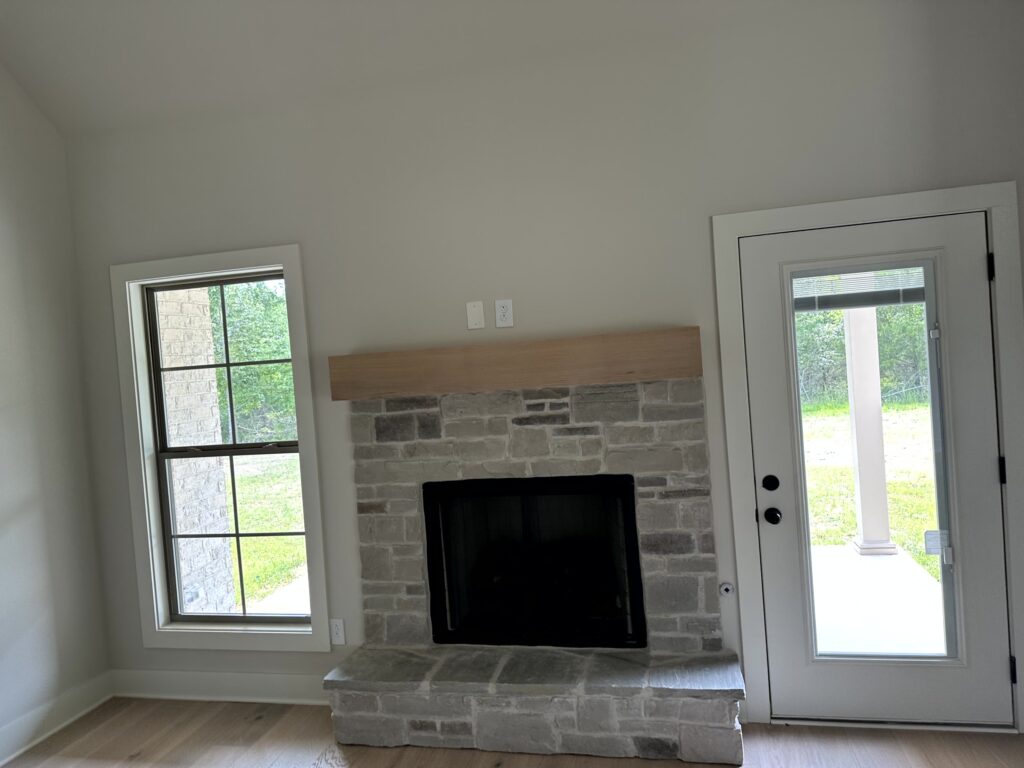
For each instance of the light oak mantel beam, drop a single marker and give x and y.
(610, 358)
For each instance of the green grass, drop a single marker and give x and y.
(269, 500)
(911, 491)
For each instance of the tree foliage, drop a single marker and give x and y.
(902, 355)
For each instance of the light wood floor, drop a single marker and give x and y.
(155, 734)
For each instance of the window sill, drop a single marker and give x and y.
(239, 637)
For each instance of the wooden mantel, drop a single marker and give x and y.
(610, 358)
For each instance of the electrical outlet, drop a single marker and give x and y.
(475, 315)
(337, 631)
(503, 313)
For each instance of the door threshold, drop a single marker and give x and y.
(896, 725)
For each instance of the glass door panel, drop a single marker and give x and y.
(873, 477)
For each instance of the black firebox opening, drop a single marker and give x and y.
(538, 561)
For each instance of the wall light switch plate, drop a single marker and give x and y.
(337, 631)
(503, 313)
(474, 315)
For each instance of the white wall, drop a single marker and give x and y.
(52, 652)
(579, 186)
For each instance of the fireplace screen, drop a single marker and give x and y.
(539, 561)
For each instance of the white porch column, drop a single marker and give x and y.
(865, 388)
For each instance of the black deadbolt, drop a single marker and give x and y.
(770, 482)
(773, 516)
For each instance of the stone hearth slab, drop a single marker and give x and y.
(541, 700)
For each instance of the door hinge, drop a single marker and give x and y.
(991, 266)
(1002, 470)
(1013, 670)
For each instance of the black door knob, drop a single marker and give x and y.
(773, 516)
(770, 483)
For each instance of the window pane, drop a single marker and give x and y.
(196, 407)
(207, 576)
(269, 493)
(200, 494)
(264, 402)
(275, 574)
(189, 327)
(257, 321)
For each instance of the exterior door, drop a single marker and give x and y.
(875, 445)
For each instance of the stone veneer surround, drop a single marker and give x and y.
(653, 431)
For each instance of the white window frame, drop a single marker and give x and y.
(128, 283)
(999, 202)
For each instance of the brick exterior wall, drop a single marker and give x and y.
(199, 487)
(653, 431)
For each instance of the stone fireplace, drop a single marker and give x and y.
(651, 431)
(538, 562)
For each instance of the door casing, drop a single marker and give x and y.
(999, 202)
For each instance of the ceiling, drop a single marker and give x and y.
(100, 65)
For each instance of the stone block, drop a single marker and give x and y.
(371, 508)
(401, 492)
(656, 747)
(655, 392)
(370, 452)
(456, 728)
(444, 741)
(686, 391)
(536, 670)
(535, 407)
(529, 442)
(388, 529)
(711, 644)
(657, 516)
(469, 670)
(373, 628)
(671, 594)
(427, 726)
(601, 745)
(426, 705)
(681, 431)
(460, 406)
(408, 569)
(606, 403)
(398, 428)
(671, 412)
(565, 447)
(700, 678)
(376, 563)
(485, 469)
(476, 427)
(691, 564)
(591, 446)
(354, 701)
(406, 629)
(502, 731)
(644, 459)
(695, 457)
(488, 449)
(619, 673)
(381, 669)
(667, 543)
(556, 467)
(699, 743)
(619, 434)
(428, 426)
(361, 429)
(651, 481)
(410, 404)
(576, 431)
(541, 419)
(596, 714)
(370, 730)
(673, 643)
(547, 393)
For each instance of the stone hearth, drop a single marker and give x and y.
(541, 700)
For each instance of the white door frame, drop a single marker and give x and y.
(999, 201)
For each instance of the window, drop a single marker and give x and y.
(228, 461)
(219, 428)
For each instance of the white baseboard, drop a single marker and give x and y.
(28, 730)
(220, 686)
